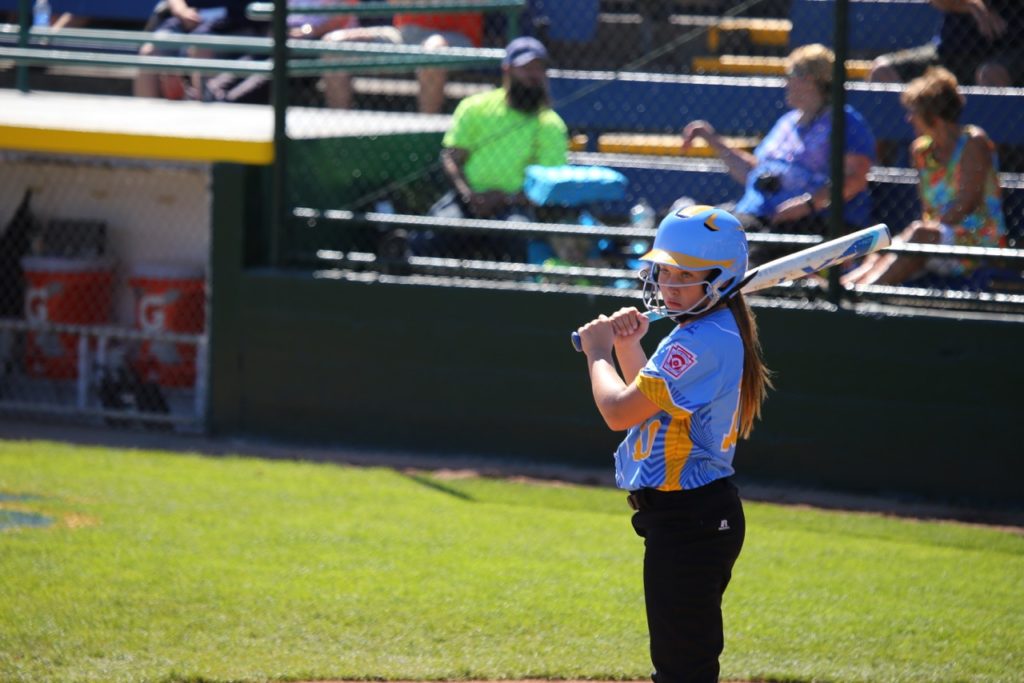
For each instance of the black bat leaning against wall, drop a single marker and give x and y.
(14, 245)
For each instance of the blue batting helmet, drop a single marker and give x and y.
(697, 238)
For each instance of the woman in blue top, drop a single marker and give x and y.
(683, 411)
(787, 176)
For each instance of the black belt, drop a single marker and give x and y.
(653, 499)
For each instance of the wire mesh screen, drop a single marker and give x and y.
(643, 107)
(682, 103)
(103, 297)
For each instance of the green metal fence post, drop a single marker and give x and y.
(278, 201)
(24, 22)
(513, 18)
(836, 224)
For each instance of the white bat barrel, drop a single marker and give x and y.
(819, 257)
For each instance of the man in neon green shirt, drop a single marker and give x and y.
(495, 135)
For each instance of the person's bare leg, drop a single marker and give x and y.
(432, 80)
(196, 80)
(892, 269)
(431, 95)
(338, 90)
(146, 83)
(853, 277)
(883, 72)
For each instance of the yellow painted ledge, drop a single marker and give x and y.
(765, 66)
(764, 32)
(135, 146)
(657, 145)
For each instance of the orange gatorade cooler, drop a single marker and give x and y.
(63, 290)
(168, 298)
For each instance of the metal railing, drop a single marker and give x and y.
(42, 47)
(264, 11)
(621, 280)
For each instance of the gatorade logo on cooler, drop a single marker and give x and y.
(153, 310)
(37, 302)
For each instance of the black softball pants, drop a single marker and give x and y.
(692, 539)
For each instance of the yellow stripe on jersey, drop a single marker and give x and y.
(656, 390)
(678, 444)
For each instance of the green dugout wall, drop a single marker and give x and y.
(919, 405)
(894, 403)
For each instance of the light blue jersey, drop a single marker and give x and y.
(694, 377)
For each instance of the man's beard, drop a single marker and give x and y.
(526, 98)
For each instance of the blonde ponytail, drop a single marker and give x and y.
(756, 376)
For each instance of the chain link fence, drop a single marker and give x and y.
(426, 173)
(627, 79)
(103, 296)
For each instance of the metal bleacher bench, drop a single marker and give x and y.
(592, 103)
(379, 8)
(874, 26)
(96, 46)
(140, 10)
(608, 101)
(118, 10)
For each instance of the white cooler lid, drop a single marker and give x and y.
(168, 271)
(61, 264)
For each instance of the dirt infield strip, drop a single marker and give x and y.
(526, 680)
(456, 466)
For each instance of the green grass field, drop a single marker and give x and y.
(167, 567)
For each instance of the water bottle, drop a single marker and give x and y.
(642, 215)
(41, 13)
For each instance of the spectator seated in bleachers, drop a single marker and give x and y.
(959, 187)
(786, 178)
(255, 89)
(431, 31)
(493, 137)
(184, 16)
(979, 42)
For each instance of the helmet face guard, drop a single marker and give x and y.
(698, 239)
(651, 293)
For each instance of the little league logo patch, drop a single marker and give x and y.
(678, 360)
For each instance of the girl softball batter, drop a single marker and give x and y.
(683, 410)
